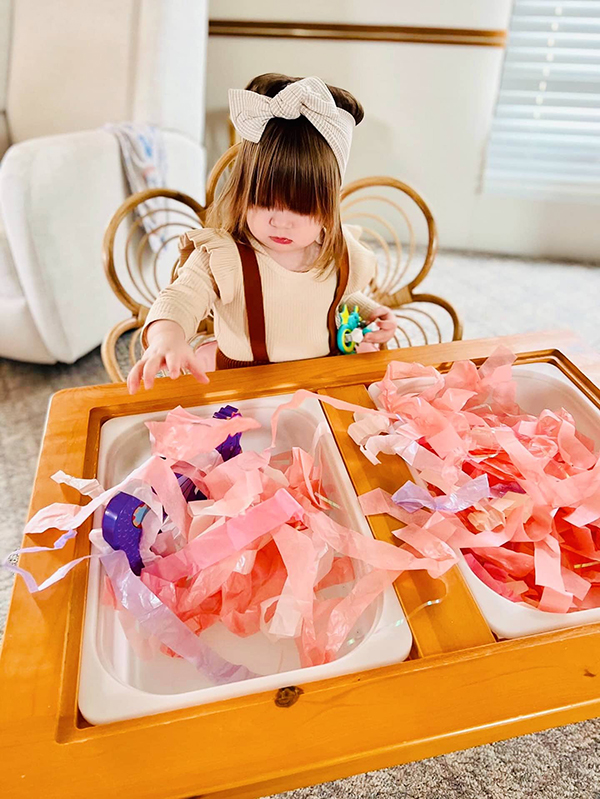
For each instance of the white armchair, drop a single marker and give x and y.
(65, 70)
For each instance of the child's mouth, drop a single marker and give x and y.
(279, 240)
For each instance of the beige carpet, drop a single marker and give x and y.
(495, 296)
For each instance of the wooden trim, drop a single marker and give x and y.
(368, 33)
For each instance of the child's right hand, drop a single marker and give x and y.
(167, 349)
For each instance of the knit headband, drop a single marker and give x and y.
(310, 97)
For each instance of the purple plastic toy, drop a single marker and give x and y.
(122, 527)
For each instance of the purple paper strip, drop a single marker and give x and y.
(155, 618)
(412, 497)
(231, 446)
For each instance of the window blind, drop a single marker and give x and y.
(545, 136)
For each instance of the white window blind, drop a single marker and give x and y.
(545, 137)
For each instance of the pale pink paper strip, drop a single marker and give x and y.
(372, 552)
(347, 612)
(231, 536)
(547, 564)
(88, 487)
(301, 559)
(194, 434)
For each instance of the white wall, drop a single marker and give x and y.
(428, 110)
(5, 19)
(485, 14)
(75, 65)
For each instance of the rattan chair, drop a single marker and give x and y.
(387, 210)
(140, 257)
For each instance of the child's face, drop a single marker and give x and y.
(282, 230)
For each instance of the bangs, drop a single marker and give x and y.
(294, 168)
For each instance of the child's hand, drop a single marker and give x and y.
(387, 324)
(167, 349)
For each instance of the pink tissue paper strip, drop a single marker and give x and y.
(517, 493)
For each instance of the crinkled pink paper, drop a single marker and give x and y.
(255, 556)
(534, 536)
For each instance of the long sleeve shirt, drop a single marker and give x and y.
(295, 303)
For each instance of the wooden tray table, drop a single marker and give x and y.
(459, 688)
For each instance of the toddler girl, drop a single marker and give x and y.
(274, 263)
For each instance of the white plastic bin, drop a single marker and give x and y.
(116, 684)
(539, 386)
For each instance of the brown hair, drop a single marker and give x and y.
(293, 167)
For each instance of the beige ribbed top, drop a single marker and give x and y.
(295, 303)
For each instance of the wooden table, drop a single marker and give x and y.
(459, 688)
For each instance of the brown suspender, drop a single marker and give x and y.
(342, 283)
(255, 311)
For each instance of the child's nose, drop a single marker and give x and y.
(281, 219)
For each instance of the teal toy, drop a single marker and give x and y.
(351, 331)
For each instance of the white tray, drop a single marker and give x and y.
(116, 684)
(539, 386)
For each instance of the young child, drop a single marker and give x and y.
(275, 264)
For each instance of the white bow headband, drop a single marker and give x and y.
(310, 97)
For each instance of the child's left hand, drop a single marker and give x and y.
(387, 323)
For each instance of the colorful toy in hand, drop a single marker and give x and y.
(351, 331)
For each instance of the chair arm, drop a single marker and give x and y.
(57, 194)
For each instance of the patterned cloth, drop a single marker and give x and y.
(145, 165)
(310, 97)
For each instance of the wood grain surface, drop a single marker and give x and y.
(459, 688)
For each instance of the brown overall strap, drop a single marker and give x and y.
(255, 311)
(342, 284)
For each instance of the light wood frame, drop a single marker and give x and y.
(333, 31)
(461, 688)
